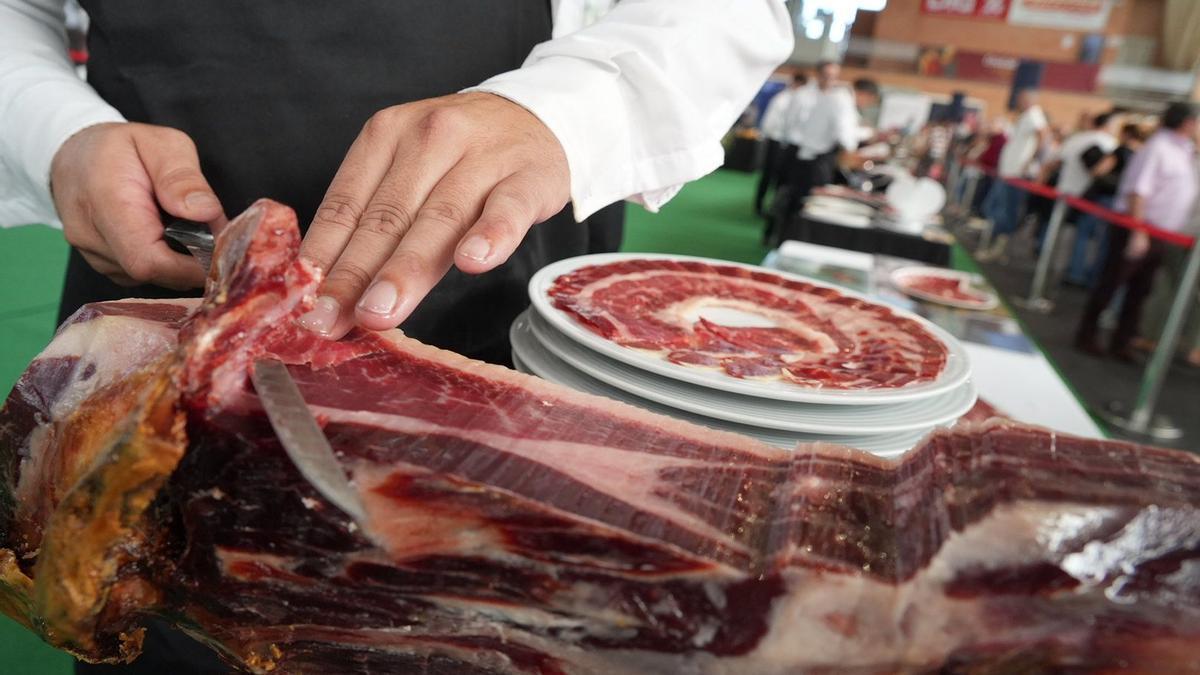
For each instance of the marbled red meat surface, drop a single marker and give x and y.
(817, 336)
(940, 287)
(514, 526)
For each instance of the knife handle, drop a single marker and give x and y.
(180, 233)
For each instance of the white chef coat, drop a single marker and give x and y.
(796, 116)
(832, 122)
(639, 100)
(1022, 143)
(775, 117)
(1074, 176)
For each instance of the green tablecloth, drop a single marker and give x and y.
(31, 266)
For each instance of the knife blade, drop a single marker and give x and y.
(188, 237)
(302, 437)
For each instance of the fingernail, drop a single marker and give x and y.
(379, 299)
(476, 248)
(199, 201)
(322, 317)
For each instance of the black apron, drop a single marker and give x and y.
(273, 94)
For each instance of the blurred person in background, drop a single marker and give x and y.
(1160, 187)
(1044, 170)
(1091, 232)
(1005, 203)
(1074, 176)
(1158, 306)
(777, 121)
(830, 122)
(829, 135)
(986, 155)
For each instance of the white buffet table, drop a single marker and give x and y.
(1009, 370)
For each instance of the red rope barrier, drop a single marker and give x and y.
(1080, 204)
(1032, 187)
(1129, 223)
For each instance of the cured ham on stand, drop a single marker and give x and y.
(514, 526)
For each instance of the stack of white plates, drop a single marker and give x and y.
(550, 344)
(839, 211)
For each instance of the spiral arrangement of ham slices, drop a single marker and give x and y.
(809, 335)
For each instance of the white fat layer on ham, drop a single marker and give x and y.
(630, 474)
(113, 347)
(1150, 534)
(1017, 535)
(916, 622)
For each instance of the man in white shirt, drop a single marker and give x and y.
(481, 119)
(1005, 203)
(262, 99)
(777, 122)
(830, 127)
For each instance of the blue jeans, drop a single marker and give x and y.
(1088, 227)
(1004, 205)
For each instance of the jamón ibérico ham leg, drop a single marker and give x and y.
(514, 526)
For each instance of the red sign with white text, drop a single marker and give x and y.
(976, 9)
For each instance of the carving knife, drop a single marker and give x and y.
(290, 416)
(302, 437)
(186, 236)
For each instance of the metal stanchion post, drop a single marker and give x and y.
(953, 177)
(985, 238)
(1037, 300)
(1141, 420)
(969, 191)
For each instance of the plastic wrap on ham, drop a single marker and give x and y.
(513, 526)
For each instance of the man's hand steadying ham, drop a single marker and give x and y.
(456, 180)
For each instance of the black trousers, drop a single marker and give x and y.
(803, 176)
(1136, 276)
(606, 229)
(769, 176)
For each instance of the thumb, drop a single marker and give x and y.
(171, 162)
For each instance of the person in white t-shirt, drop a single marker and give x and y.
(1005, 203)
(1074, 175)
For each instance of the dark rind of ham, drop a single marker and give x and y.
(637, 303)
(518, 527)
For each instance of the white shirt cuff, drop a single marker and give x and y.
(586, 106)
(67, 107)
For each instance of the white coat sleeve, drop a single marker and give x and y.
(42, 103)
(641, 99)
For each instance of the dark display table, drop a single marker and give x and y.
(866, 239)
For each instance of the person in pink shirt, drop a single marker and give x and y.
(1159, 186)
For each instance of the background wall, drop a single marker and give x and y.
(1132, 36)
(902, 21)
(1061, 108)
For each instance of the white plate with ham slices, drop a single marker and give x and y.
(530, 333)
(747, 330)
(944, 287)
(528, 357)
